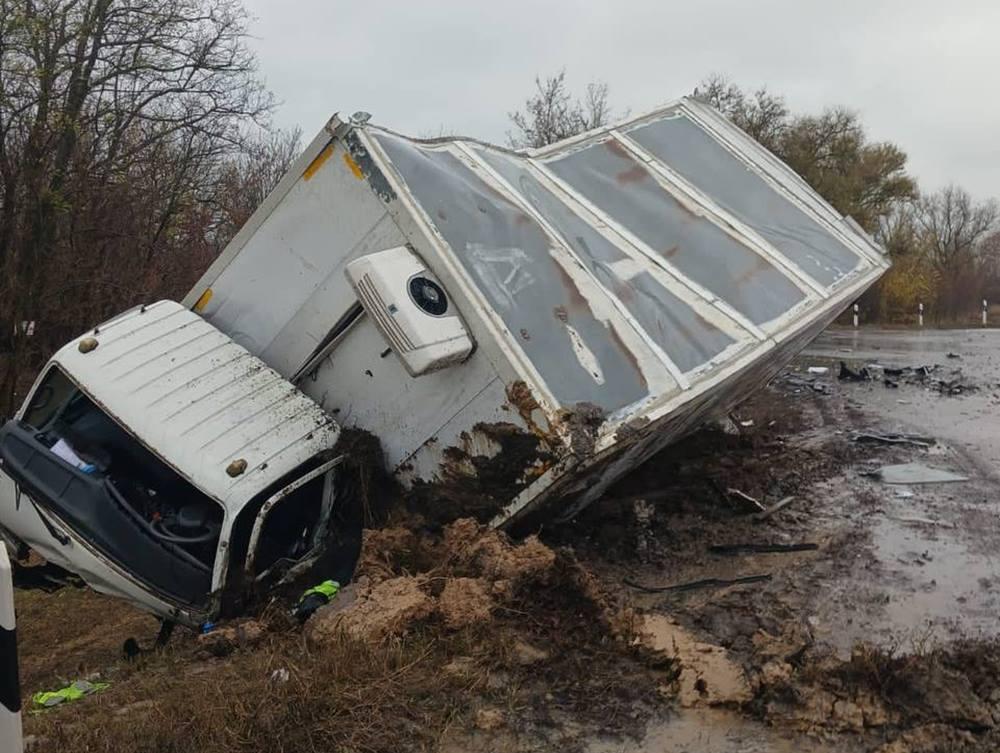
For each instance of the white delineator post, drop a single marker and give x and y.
(855, 315)
(10, 687)
(920, 314)
(985, 308)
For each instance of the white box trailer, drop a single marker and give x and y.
(603, 295)
(519, 329)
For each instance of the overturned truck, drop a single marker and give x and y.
(518, 329)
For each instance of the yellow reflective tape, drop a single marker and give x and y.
(317, 163)
(202, 302)
(354, 166)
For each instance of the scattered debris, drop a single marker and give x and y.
(818, 369)
(776, 507)
(919, 376)
(924, 521)
(746, 498)
(914, 473)
(907, 439)
(733, 549)
(848, 374)
(699, 584)
(72, 692)
(815, 385)
(953, 355)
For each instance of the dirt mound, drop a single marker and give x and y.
(378, 611)
(384, 552)
(459, 579)
(465, 601)
(491, 554)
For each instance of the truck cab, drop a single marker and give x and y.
(166, 464)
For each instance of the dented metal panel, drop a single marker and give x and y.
(562, 322)
(686, 334)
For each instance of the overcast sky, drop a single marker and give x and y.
(922, 73)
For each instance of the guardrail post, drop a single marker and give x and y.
(856, 316)
(10, 687)
(920, 314)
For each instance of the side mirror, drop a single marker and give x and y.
(411, 309)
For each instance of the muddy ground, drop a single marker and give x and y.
(877, 634)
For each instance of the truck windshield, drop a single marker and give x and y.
(80, 464)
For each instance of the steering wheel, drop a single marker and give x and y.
(161, 529)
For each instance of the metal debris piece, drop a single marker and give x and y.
(914, 473)
(782, 504)
(746, 498)
(907, 439)
(696, 584)
(925, 521)
(762, 548)
(847, 374)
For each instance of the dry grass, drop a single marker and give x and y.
(401, 695)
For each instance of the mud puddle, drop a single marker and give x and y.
(715, 730)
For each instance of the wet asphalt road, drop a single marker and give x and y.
(969, 422)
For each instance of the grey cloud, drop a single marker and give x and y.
(922, 73)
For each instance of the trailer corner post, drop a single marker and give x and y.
(10, 689)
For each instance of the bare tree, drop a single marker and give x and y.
(954, 224)
(552, 114)
(112, 115)
(760, 113)
(246, 179)
(953, 228)
(831, 151)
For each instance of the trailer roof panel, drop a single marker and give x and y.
(684, 333)
(687, 148)
(610, 178)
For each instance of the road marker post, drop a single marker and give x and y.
(856, 316)
(10, 686)
(920, 314)
(985, 309)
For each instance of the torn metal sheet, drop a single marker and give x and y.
(916, 473)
